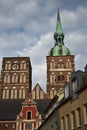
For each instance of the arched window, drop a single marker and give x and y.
(23, 65)
(55, 65)
(29, 115)
(14, 78)
(51, 65)
(5, 94)
(14, 93)
(61, 78)
(22, 92)
(7, 78)
(51, 78)
(68, 64)
(8, 65)
(60, 64)
(22, 78)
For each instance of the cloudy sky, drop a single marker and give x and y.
(27, 28)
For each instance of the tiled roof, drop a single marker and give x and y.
(42, 104)
(9, 109)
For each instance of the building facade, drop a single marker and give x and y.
(20, 114)
(16, 77)
(71, 112)
(60, 62)
(29, 117)
(73, 109)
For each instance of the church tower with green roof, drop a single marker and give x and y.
(60, 62)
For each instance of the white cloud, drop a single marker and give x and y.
(76, 41)
(80, 61)
(39, 75)
(27, 28)
(27, 15)
(38, 54)
(75, 25)
(11, 43)
(74, 19)
(39, 51)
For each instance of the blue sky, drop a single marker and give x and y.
(27, 28)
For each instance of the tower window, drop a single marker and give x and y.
(60, 78)
(23, 65)
(5, 94)
(14, 78)
(60, 63)
(23, 78)
(55, 65)
(13, 93)
(7, 78)
(8, 65)
(22, 92)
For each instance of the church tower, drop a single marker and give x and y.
(16, 78)
(60, 62)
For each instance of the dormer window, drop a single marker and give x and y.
(67, 91)
(74, 88)
(74, 84)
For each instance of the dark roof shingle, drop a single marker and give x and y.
(9, 109)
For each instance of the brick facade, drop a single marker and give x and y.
(16, 77)
(59, 69)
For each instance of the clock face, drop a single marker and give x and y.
(15, 66)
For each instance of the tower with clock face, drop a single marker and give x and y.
(16, 76)
(15, 66)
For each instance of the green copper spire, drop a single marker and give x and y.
(58, 25)
(59, 35)
(59, 48)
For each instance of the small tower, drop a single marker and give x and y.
(60, 62)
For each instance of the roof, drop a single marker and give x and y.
(9, 109)
(18, 57)
(38, 86)
(42, 105)
(59, 49)
(58, 25)
(51, 103)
